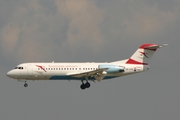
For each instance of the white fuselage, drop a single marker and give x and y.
(63, 71)
(138, 62)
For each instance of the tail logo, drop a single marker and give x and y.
(145, 54)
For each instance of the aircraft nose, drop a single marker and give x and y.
(11, 74)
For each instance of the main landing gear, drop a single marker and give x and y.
(85, 85)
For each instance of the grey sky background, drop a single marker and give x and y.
(90, 30)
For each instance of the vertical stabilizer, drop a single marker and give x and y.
(143, 54)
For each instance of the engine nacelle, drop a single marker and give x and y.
(112, 68)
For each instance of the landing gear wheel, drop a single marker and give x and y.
(83, 86)
(87, 84)
(25, 85)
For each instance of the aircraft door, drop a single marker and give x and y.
(29, 70)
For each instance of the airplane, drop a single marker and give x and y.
(89, 71)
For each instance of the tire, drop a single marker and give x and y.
(25, 85)
(87, 85)
(83, 86)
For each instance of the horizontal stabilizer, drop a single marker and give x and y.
(155, 46)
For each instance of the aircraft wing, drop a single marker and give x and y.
(87, 74)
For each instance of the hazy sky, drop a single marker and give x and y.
(90, 30)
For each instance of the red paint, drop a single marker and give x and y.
(148, 45)
(131, 61)
(145, 54)
(41, 67)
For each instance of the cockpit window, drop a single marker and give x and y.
(18, 68)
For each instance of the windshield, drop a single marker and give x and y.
(18, 68)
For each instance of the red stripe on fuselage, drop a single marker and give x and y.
(131, 61)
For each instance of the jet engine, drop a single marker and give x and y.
(112, 68)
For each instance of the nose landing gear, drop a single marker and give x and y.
(25, 84)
